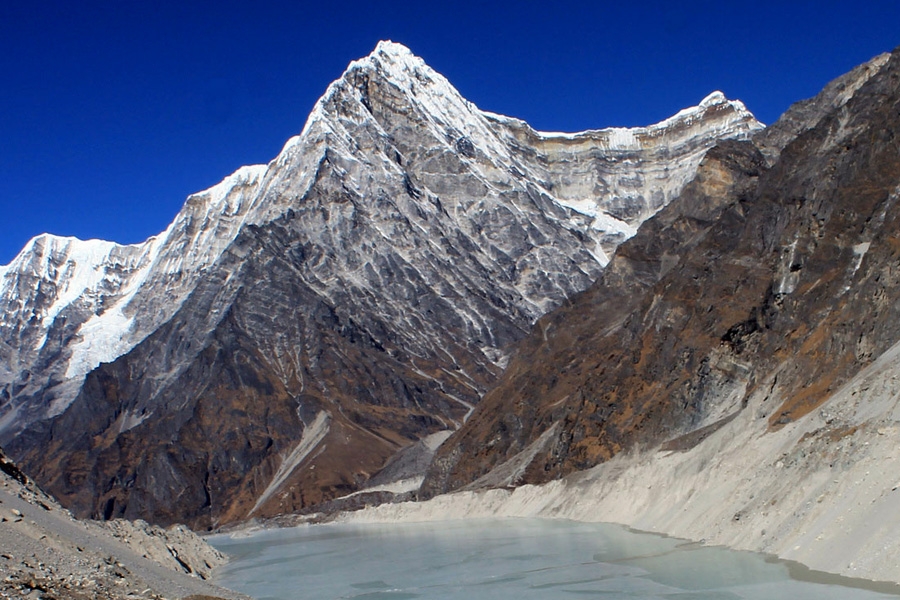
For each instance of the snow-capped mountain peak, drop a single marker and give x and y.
(375, 273)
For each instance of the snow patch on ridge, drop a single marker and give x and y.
(106, 336)
(81, 272)
(103, 340)
(217, 194)
(75, 267)
(629, 138)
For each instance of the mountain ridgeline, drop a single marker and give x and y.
(773, 277)
(314, 327)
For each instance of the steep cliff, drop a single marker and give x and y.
(771, 279)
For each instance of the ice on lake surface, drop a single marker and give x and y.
(499, 559)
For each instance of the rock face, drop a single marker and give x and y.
(68, 305)
(772, 278)
(303, 321)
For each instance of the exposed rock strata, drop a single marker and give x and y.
(761, 282)
(746, 394)
(822, 490)
(303, 322)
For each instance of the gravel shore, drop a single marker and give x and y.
(46, 553)
(823, 491)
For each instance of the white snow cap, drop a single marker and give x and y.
(393, 48)
(716, 97)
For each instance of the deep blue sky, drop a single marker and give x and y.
(111, 113)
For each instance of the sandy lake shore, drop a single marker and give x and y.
(823, 491)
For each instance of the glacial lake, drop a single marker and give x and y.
(505, 559)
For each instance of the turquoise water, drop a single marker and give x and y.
(502, 559)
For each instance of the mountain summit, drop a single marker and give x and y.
(306, 327)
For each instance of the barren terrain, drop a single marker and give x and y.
(44, 549)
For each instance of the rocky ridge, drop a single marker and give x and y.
(822, 490)
(304, 321)
(764, 289)
(44, 549)
(70, 305)
(748, 393)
